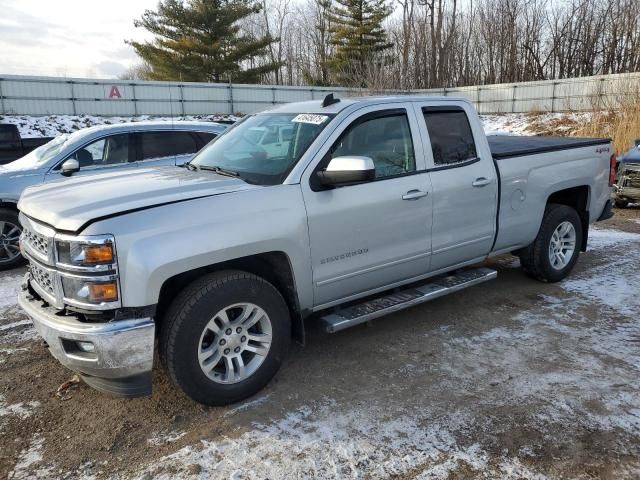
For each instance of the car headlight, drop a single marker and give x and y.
(88, 271)
(83, 291)
(87, 252)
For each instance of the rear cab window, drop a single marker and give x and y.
(450, 134)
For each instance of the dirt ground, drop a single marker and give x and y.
(509, 379)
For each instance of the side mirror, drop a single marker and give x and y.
(347, 170)
(637, 142)
(70, 166)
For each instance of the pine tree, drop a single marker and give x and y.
(358, 37)
(200, 41)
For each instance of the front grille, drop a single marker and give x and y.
(43, 278)
(38, 243)
(632, 179)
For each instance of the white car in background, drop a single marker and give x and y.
(107, 148)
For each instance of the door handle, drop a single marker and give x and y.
(481, 182)
(414, 195)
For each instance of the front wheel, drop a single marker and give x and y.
(225, 336)
(619, 203)
(10, 256)
(555, 251)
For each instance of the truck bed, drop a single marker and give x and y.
(507, 146)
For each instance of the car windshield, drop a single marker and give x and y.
(43, 153)
(263, 148)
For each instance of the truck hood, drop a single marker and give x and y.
(69, 204)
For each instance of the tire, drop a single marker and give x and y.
(10, 230)
(536, 259)
(194, 324)
(621, 203)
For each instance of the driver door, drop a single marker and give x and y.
(115, 152)
(372, 235)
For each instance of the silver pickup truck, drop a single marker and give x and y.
(338, 210)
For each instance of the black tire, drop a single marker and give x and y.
(621, 203)
(186, 320)
(535, 258)
(8, 216)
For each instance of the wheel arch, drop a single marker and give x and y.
(275, 267)
(577, 198)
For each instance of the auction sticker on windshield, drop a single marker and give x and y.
(309, 118)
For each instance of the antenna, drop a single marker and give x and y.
(329, 100)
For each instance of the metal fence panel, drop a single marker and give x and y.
(24, 95)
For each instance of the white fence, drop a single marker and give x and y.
(25, 95)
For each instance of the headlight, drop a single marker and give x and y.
(83, 291)
(96, 253)
(88, 271)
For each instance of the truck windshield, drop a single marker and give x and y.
(263, 148)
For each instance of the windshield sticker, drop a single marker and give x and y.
(310, 118)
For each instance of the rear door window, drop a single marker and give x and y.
(166, 144)
(450, 135)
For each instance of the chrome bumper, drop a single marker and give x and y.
(122, 356)
(632, 193)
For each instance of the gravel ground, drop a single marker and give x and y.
(510, 379)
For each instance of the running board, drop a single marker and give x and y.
(433, 288)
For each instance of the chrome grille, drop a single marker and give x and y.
(632, 179)
(37, 242)
(43, 278)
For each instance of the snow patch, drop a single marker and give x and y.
(22, 409)
(323, 442)
(28, 459)
(9, 287)
(54, 125)
(163, 438)
(614, 282)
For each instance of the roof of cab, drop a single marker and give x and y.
(315, 106)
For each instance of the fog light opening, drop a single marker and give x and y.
(87, 347)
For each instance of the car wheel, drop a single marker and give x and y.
(555, 251)
(225, 337)
(621, 203)
(10, 230)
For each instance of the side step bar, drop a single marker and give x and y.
(433, 288)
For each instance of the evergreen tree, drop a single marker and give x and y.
(358, 37)
(200, 41)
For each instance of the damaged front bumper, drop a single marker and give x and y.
(114, 357)
(628, 185)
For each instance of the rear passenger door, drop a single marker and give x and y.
(465, 186)
(170, 147)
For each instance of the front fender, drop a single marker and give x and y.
(156, 244)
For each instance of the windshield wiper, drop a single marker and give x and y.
(189, 166)
(219, 171)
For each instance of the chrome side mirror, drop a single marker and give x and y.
(70, 166)
(347, 170)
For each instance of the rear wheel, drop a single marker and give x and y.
(555, 251)
(10, 230)
(225, 337)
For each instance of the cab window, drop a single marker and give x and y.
(450, 135)
(385, 137)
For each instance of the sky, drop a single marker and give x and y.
(71, 38)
